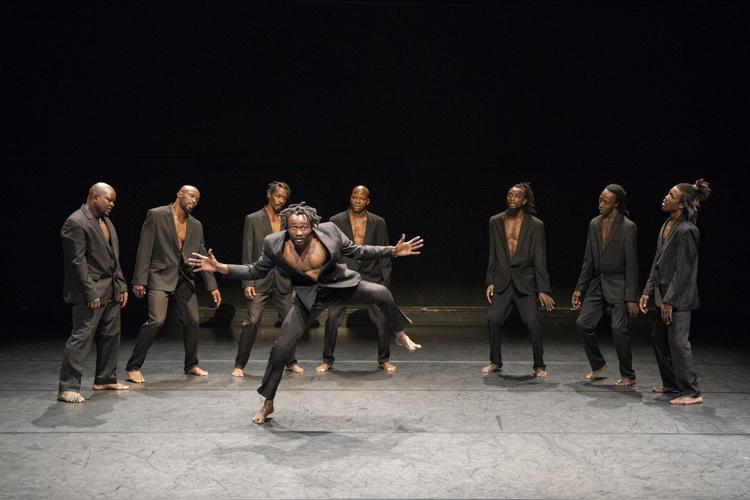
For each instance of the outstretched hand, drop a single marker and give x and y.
(405, 248)
(207, 263)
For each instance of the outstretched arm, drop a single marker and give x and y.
(211, 264)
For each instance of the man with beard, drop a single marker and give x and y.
(609, 280)
(274, 286)
(162, 273)
(309, 253)
(94, 284)
(363, 228)
(517, 274)
(673, 280)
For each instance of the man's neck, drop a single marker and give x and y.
(357, 215)
(514, 213)
(675, 216)
(93, 211)
(178, 212)
(272, 214)
(611, 215)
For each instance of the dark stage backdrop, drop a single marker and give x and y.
(438, 108)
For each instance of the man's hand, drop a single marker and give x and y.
(575, 300)
(490, 292)
(139, 291)
(666, 314)
(643, 304)
(405, 248)
(207, 263)
(123, 299)
(94, 304)
(632, 309)
(250, 292)
(546, 301)
(217, 297)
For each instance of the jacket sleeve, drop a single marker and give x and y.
(258, 269)
(208, 278)
(74, 252)
(687, 256)
(248, 248)
(631, 265)
(491, 260)
(119, 278)
(145, 249)
(587, 267)
(384, 263)
(540, 262)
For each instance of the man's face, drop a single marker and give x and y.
(516, 198)
(104, 202)
(673, 200)
(277, 199)
(299, 230)
(189, 199)
(607, 202)
(359, 200)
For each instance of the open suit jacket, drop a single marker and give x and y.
(333, 275)
(376, 233)
(92, 266)
(614, 267)
(158, 263)
(257, 227)
(528, 268)
(675, 268)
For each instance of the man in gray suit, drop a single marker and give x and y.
(94, 284)
(673, 281)
(363, 228)
(162, 272)
(309, 253)
(517, 274)
(609, 280)
(274, 286)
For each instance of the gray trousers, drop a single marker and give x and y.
(502, 304)
(674, 355)
(187, 307)
(336, 314)
(102, 324)
(282, 302)
(593, 308)
(299, 318)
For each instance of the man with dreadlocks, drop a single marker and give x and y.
(673, 282)
(308, 252)
(609, 280)
(517, 273)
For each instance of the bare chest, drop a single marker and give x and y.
(359, 229)
(105, 230)
(310, 262)
(181, 227)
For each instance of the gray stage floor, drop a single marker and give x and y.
(436, 428)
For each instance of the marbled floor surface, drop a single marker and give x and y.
(435, 429)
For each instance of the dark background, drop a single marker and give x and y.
(437, 107)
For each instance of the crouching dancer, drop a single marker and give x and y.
(308, 252)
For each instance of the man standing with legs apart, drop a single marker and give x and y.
(517, 274)
(162, 273)
(363, 228)
(309, 252)
(275, 286)
(94, 284)
(673, 281)
(609, 280)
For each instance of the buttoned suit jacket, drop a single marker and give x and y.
(257, 227)
(376, 233)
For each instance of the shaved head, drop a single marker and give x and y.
(99, 188)
(359, 199)
(188, 188)
(361, 189)
(187, 198)
(101, 199)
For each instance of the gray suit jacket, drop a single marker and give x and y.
(333, 275)
(257, 227)
(92, 267)
(159, 262)
(528, 268)
(376, 233)
(614, 267)
(675, 268)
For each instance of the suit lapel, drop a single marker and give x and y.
(173, 228)
(347, 229)
(613, 231)
(267, 228)
(504, 240)
(95, 224)
(598, 236)
(521, 233)
(368, 229)
(663, 244)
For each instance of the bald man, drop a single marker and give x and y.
(96, 288)
(162, 274)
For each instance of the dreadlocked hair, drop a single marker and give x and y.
(693, 195)
(300, 209)
(529, 207)
(274, 185)
(620, 195)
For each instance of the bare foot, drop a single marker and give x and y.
(111, 387)
(136, 377)
(197, 371)
(238, 372)
(295, 368)
(492, 367)
(325, 367)
(625, 382)
(70, 397)
(593, 374)
(687, 400)
(663, 389)
(388, 367)
(403, 340)
(540, 373)
(265, 410)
